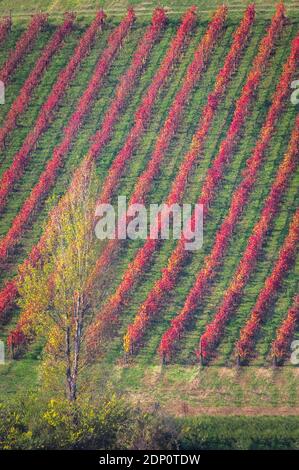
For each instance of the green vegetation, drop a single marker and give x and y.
(228, 433)
(143, 7)
(35, 424)
(32, 423)
(222, 385)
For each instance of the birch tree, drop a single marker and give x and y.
(55, 291)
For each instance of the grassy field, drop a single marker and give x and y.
(255, 389)
(116, 7)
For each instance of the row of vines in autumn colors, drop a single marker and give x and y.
(99, 140)
(143, 115)
(170, 274)
(215, 329)
(140, 262)
(9, 292)
(168, 129)
(240, 197)
(5, 27)
(20, 160)
(286, 258)
(281, 345)
(245, 79)
(170, 126)
(127, 82)
(22, 47)
(145, 109)
(194, 71)
(60, 152)
(136, 330)
(23, 99)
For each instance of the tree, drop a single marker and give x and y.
(55, 294)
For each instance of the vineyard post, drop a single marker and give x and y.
(12, 352)
(201, 359)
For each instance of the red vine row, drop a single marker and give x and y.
(48, 176)
(285, 333)
(166, 282)
(22, 101)
(193, 74)
(170, 274)
(141, 118)
(5, 27)
(134, 268)
(101, 137)
(240, 198)
(14, 172)
(22, 47)
(286, 257)
(9, 292)
(141, 121)
(167, 131)
(215, 329)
